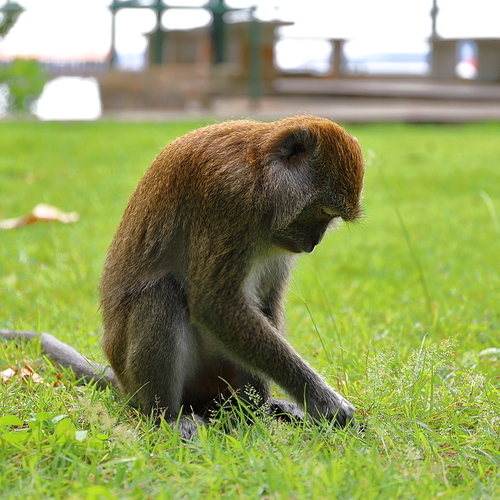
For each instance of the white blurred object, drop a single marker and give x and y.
(467, 60)
(69, 98)
(297, 55)
(4, 99)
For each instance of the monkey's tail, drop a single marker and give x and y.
(66, 356)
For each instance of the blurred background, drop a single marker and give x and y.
(357, 61)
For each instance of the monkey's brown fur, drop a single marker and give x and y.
(192, 289)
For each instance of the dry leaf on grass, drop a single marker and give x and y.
(40, 213)
(26, 373)
(6, 375)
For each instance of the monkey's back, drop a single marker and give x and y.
(209, 192)
(176, 194)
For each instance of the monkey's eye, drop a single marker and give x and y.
(331, 212)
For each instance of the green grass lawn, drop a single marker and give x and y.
(400, 312)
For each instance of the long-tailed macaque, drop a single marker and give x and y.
(193, 284)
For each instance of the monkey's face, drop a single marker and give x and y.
(327, 166)
(307, 229)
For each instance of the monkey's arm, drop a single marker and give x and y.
(251, 340)
(66, 356)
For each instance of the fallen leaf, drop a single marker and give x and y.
(40, 213)
(6, 375)
(26, 373)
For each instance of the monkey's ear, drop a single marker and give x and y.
(295, 146)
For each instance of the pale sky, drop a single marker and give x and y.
(69, 28)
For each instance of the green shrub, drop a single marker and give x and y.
(24, 79)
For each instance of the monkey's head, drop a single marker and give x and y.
(317, 171)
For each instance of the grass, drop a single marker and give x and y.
(399, 312)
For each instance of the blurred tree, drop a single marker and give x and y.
(24, 80)
(8, 16)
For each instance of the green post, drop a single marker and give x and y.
(157, 37)
(434, 14)
(218, 28)
(113, 58)
(254, 77)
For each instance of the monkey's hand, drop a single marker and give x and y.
(331, 406)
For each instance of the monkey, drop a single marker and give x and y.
(193, 286)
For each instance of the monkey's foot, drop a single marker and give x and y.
(187, 426)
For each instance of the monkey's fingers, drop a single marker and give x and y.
(345, 415)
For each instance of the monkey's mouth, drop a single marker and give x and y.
(295, 246)
(287, 244)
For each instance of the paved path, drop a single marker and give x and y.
(343, 110)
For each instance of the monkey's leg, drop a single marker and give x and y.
(161, 354)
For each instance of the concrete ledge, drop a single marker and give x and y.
(417, 88)
(344, 110)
